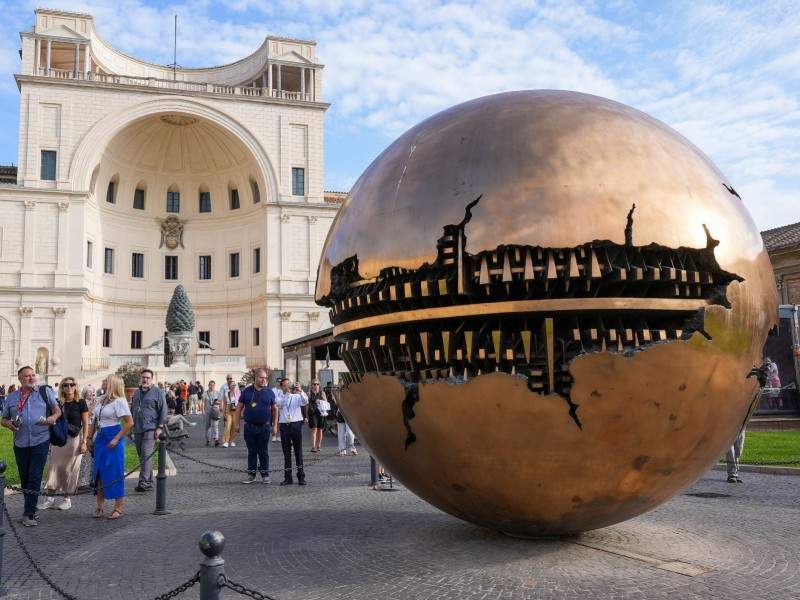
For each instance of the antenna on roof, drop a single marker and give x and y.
(174, 63)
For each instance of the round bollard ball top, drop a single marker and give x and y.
(212, 543)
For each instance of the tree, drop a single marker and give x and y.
(130, 373)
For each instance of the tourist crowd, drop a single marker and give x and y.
(98, 424)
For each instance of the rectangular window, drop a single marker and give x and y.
(48, 165)
(205, 267)
(170, 267)
(108, 261)
(205, 202)
(204, 336)
(106, 338)
(234, 338)
(137, 265)
(87, 335)
(89, 254)
(234, 199)
(298, 181)
(136, 340)
(256, 336)
(138, 199)
(110, 192)
(173, 202)
(256, 192)
(256, 260)
(234, 264)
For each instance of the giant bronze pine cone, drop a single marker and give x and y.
(180, 315)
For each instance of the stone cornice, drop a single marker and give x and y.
(17, 190)
(20, 79)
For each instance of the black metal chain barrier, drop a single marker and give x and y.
(309, 461)
(28, 555)
(180, 589)
(224, 582)
(63, 593)
(16, 488)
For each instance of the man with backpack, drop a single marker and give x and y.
(29, 412)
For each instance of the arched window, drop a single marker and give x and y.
(138, 195)
(204, 199)
(111, 190)
(173, 199)
(233, 196)
(256, 192)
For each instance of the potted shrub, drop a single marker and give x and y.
(130, 373)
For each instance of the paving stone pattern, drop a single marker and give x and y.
(337, 539)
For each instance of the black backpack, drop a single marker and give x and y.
(58, 430)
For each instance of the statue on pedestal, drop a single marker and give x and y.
(180, 325)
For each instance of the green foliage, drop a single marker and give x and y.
(130, 373)
(180, 314)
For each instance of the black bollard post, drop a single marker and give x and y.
(2, 511)
(373, 472)
(161, 478)
(212, 566)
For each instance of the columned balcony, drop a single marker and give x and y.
(187, 86)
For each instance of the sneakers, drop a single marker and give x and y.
(141, 488)
(354, 452)
(28, 521)
(732, 479)
(341, 453)
(66, 504)
(265, 479)
(250, 479)
(287, 482)
(225, 445)
(233, 444)
(44, 503)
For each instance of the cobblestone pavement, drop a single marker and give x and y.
(336, 539)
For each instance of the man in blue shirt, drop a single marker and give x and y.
(257, 408)
(25, 413)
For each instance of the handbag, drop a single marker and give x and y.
(58, 430)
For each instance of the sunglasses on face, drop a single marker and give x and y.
(68, 384)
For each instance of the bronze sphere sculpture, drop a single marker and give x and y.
(548, 303)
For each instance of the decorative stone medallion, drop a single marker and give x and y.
(171, 232)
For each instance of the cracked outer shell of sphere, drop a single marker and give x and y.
(548, 303)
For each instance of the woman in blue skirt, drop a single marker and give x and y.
(112, 422)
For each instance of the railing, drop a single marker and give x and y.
(95, 363)
(169, 84)
(118, 360)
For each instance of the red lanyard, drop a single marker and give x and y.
(22, 400)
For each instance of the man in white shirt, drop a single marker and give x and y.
(290, 419)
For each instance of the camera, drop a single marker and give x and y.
(16, 421)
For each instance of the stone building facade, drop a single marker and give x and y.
(134, 177)
(783, 245)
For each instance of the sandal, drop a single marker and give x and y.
(111, 517)
(98, 514)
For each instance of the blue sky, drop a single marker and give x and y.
(724, 74)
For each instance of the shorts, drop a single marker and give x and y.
(316, 421)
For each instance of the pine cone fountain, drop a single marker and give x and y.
(180, 324)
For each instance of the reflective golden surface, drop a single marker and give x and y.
(553, 170)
